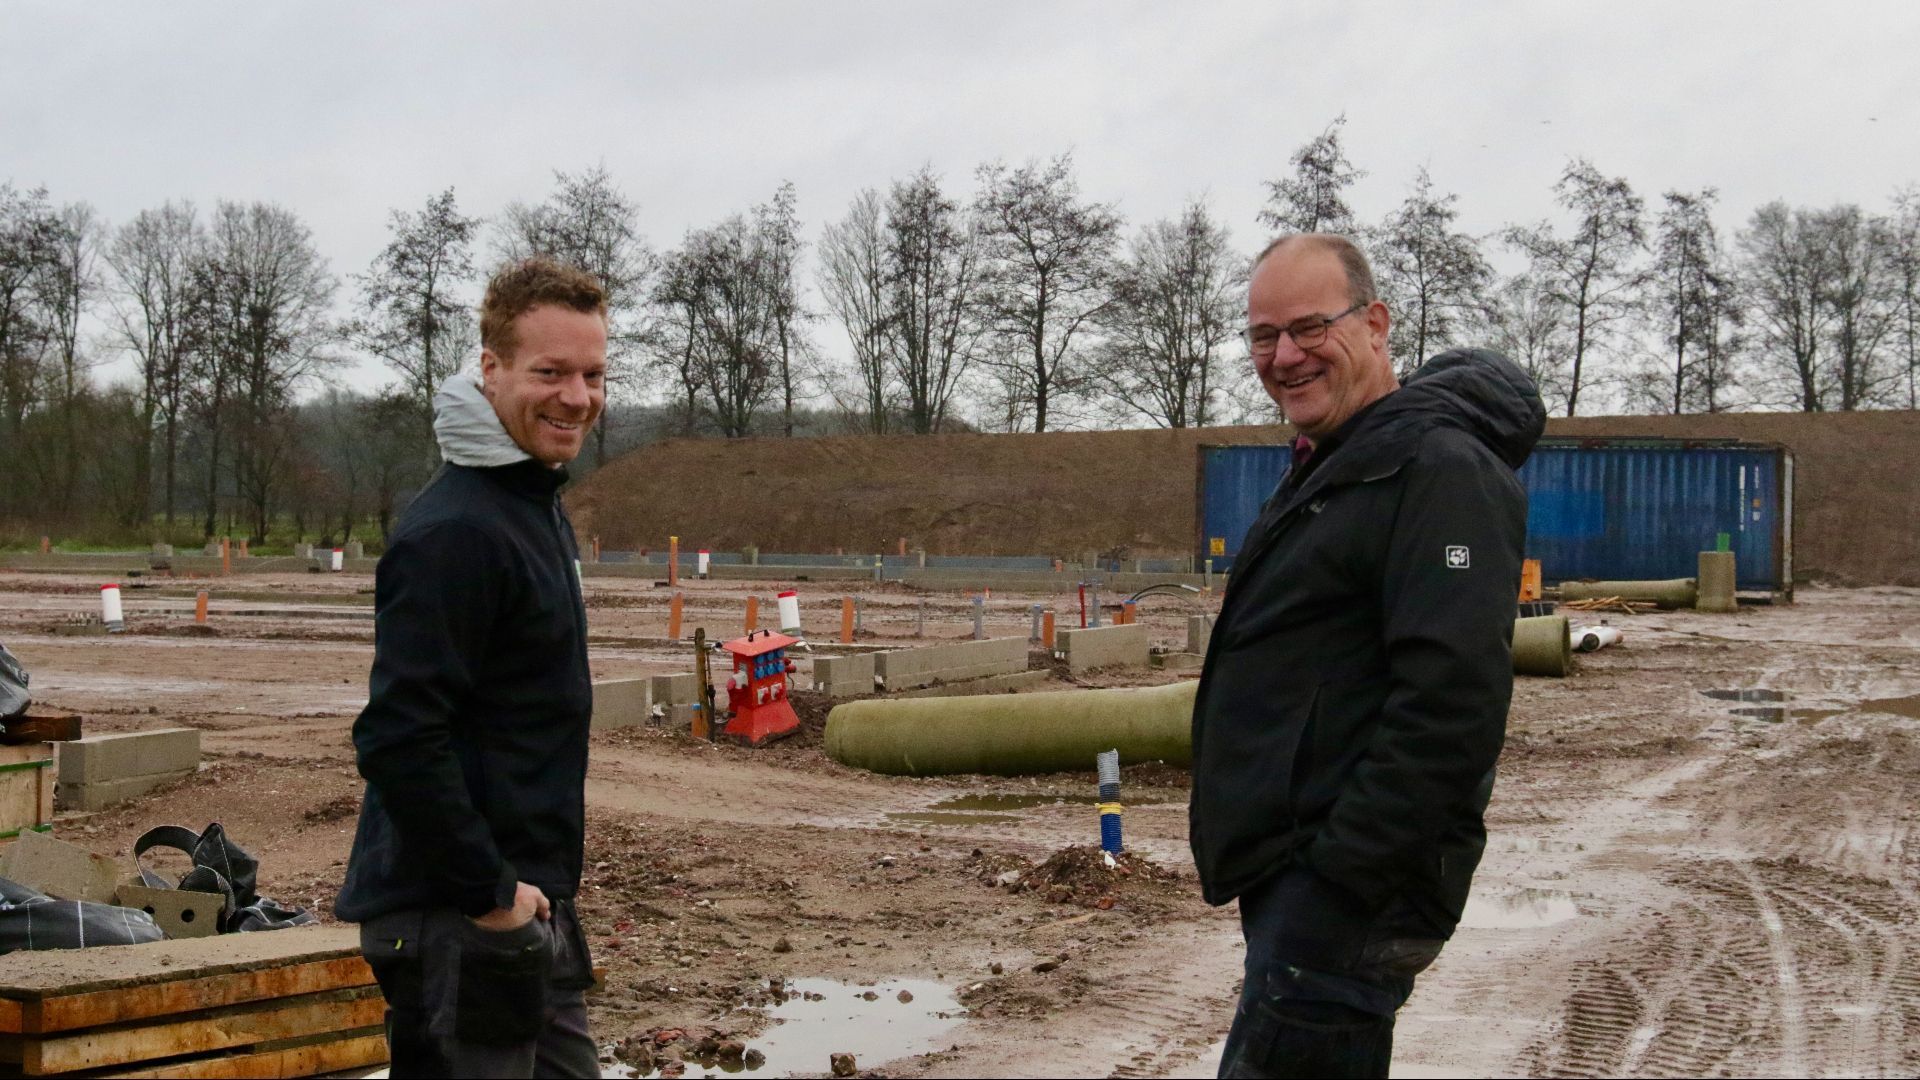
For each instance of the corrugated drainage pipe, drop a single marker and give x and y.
(1677, 593)
(1541, 646)
(1015, 734)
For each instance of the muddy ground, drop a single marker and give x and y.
(1677, 883)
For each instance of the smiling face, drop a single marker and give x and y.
(1318, 388)
(551, 389)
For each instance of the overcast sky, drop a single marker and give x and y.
(342, 112)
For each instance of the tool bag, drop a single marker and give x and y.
(14, 698)
(30, 919)
(219, 866)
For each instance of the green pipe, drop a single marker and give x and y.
(1677, 593)
(1541, 646)
(1015, 734)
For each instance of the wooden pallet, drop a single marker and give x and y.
(279, 1003)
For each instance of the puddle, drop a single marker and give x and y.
(1532, 845)
(988, 808)
(1521, 910)
(823, 1017)
(1751, 694)
(1007, 803)
(1771, 715)
(1908, 707)
(936, 817)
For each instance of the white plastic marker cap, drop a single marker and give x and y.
(700, 563)
(110, 612)
(789, 612)
(339, 560)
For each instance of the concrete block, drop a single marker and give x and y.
(61, 870)
(621, 703)
(842, 676)
(680, 689)
(904, 669)
(1103, 646)
(104, 793)
(1199, 633)
(182, 914)
(1178, 661)
(303, 551)
(163, 551)
(355, 550)
(99, 758)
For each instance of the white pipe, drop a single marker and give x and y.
(789, 612)
(1593, 638)
(339, 560)
(110, 612)
(700, 563)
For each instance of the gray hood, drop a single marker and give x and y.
(468, 430)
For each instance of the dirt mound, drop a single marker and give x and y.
(1079, 875)
(1065, 493)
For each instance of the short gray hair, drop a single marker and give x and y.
(1360, 287)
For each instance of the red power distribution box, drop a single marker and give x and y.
(757, 690)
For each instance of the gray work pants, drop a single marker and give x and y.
(467, 1002)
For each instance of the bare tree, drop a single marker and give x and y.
(1532, 325)
(853, 278)
(65, 288)
(1903, 267)
(1048, 257)
(267, 294)
(415, 316)
(933, 270)
(1433, 276)
(777, 225)
(1861, 293)
(1788, 258)
(153, 258)
(26, 226)
(1694, 302)
(1178, 301)
(589, 223)
(734, 305)
(1313, 199)
(1593, 269)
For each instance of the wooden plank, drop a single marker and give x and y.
(242, 1025)
(34, 976)
(41, 727)
(352, 1050)
(190, 995)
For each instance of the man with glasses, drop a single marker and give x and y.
(1355, 694)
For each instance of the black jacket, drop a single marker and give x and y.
(474, 738)
(1355, 692)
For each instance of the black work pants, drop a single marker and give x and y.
(1323, 982)
(467, 1002)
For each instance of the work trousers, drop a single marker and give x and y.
(1323, 982)
(468, 1002)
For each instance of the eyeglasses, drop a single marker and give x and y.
(1306, 332)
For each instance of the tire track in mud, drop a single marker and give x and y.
(1766, 968)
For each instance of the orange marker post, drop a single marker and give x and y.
(1046, 630)
(1128, 613)
(846, 620)
(1529, 580)
(673, 617)
(753, 614)
(46, 545)
(673, 563)
(903, 547)
(200, 607)
(226, 556)
(243, 548)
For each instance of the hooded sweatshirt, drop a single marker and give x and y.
(473, 741)
(1355, 692)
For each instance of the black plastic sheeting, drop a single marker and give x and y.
(14, 698)
(34, 920)
(219, 866)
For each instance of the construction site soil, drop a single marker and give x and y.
(1683, 877)
(1857, 518)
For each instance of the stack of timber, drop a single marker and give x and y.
(279, 1003)
(26, 768)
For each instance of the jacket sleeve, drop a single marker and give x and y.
(1448, 601)
(436, 597)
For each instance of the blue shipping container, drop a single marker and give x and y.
(1611, 509)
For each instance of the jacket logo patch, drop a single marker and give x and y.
(1458, 558)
